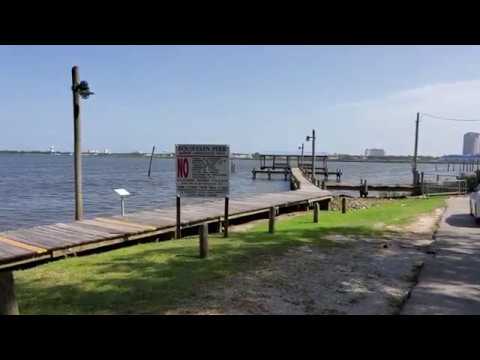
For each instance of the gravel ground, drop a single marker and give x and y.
(359, 276)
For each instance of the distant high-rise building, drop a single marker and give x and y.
(374, 152)
(471, 143)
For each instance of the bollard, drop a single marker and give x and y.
(225, 218)
(271, 220)
(344, 205)
(315, 212)
(8, 301)
(203, 234)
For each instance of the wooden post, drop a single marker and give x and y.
(415, 179)
(178, 233)
(77, 148)
(151, 158)
(344, 205)
(271, 220)
(323, 184)
(225, 218)
(269, 174)
(203, 235)
(313, 154)
(315, 212)
(8, 300)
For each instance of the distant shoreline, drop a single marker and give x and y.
(399, 160)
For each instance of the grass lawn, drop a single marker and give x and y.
(153, 277)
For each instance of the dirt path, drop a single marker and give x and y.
(360, 276)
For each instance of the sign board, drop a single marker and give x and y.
(122, 192)
(202, 170)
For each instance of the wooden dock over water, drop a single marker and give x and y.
(42, 243)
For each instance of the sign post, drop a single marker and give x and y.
(203, 171)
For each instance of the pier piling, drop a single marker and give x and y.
(271, 220)
(225, 218)
(203, 235)
(8, 300)
(315, 212)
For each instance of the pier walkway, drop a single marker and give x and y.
(41, 243)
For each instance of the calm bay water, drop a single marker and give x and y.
(38, 189)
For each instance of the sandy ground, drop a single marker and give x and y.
(360, 276)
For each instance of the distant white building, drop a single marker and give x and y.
(374, 152)
(471, 143)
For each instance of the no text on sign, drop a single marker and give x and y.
(202, 170)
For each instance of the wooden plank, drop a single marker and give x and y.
(24, 246)
(116, 227)
(8, 251)
(79, 230)
(72, 233)
(27, 237)
(40, 236)
(157, 222)
(101, 232)
(141, 227)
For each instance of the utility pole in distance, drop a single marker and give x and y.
(414, 169)
(79, 88)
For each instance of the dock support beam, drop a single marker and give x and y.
(344, 205)
(271, 220)
(8, 300)
(203, 234)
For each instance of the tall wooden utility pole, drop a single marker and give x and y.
(77, 145)
(414, 169)
(313, 155)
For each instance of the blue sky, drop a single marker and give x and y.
(255, 98)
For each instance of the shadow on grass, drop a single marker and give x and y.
(155, 277)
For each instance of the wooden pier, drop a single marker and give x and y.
(269, 172)
(371, 187)
(280, 164)
(35, 245)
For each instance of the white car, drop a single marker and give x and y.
(475, 204)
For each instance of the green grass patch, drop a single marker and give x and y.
(152, 278)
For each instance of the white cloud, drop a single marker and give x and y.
(389, 122)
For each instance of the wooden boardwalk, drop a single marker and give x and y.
(51, 241)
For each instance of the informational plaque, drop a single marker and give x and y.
(202, 170)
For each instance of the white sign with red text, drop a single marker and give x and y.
(202, 170)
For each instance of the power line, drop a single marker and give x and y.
(446, 118)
